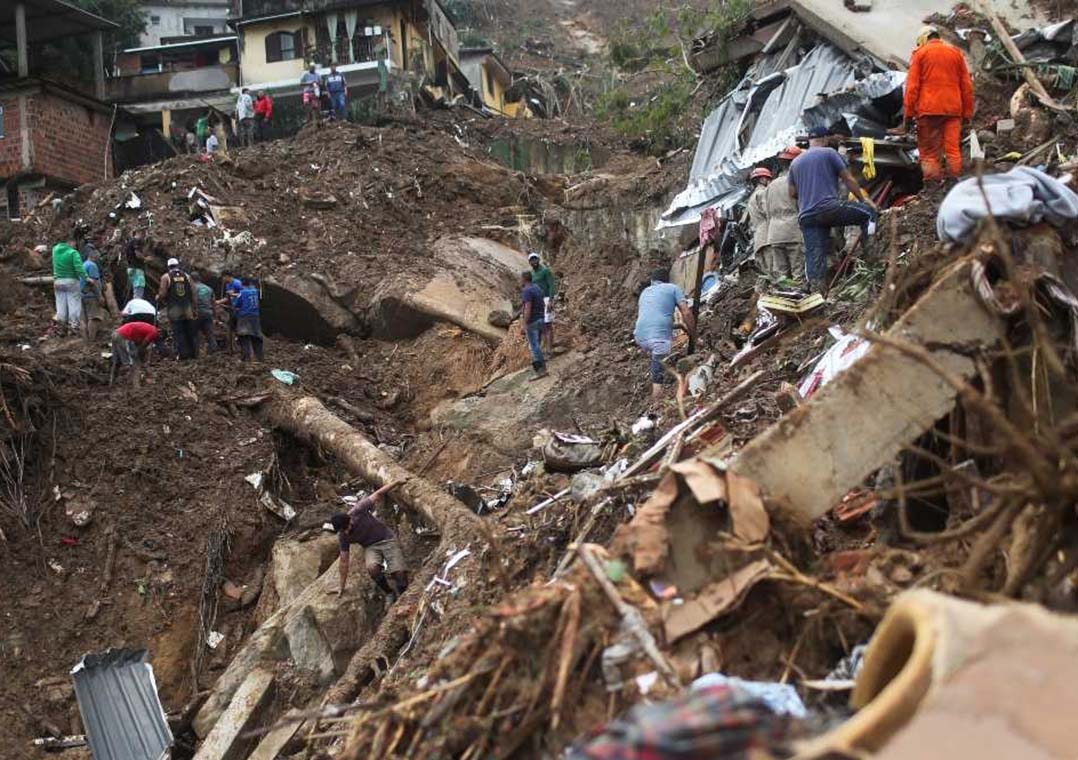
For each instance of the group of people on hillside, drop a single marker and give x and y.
(324, 93)
(189, 305)
(792, 215)
(254, 121)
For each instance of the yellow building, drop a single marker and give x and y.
(279, 38)
(490, 79)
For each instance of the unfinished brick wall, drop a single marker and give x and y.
(69, 140)
(11, 143)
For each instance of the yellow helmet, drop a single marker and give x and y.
(926, 33)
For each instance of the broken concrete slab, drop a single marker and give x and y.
(511, 404)
(319, 629)
(246, 712)
(889, 31)
(294, 565)
(478, 276)
(808, 460)
(277, 739)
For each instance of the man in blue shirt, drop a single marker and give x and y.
(654, 331)
(249, 322)
(231, 287)
(92, 290)
(337, 87)
(532, 318)
(813, 181)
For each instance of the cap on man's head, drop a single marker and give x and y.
(533, 256)
(173, 263)
(817, 132)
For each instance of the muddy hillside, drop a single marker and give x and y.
(835, 517)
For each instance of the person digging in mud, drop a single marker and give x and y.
(131, 344)
(380, 545)
(249, 322)
(654, 331)
(230, 290)
(543, 277)
(177, 293)
(531, 319)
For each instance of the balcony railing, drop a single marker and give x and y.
(139, 87)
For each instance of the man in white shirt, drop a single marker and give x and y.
(245, 118)
(211, 143)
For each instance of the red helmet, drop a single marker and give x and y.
(761, 172)
(790, 153)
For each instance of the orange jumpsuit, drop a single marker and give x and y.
(939, 95)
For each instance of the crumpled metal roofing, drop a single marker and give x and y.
(764, 115)
(121, 711)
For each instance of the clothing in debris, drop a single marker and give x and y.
(711, 723)
(1023, 195)
(710, 226)
(939, 95)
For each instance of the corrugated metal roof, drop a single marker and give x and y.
(121, 711)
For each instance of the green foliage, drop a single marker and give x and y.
(469, 38)
(656, 120)
(60, 58)
(659, 43)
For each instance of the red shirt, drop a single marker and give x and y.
(264, 107)
(138, 332)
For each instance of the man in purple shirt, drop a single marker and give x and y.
(380, 546)
(531, 316)
(813, 181)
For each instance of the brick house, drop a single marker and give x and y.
(52, 136)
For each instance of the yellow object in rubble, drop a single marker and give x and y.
(868, 155)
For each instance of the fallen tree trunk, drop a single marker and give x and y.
(307, 419)
(310, 421)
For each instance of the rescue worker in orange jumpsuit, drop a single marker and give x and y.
(939, 97)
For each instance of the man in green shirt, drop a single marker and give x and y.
(544, 278)
(202, 130)
(68, 275)
(207, 312)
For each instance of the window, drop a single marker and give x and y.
(490, 81)
(284, 46)
(155, 21)
(203, 31)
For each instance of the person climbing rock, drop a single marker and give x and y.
(813, 180)
(531, 319)
(654, 331)
(176, 293)
(381, 550)
(543, 277)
